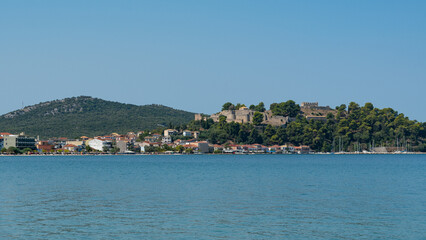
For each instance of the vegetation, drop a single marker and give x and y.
(257, 118)
(14, 150)
(230, 106)
(259, 108)
(289, 108)
(88, 116)
(352, 128)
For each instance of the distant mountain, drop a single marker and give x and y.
(77, 116)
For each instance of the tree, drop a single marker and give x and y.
(254, 137)
(260, 107)
(222, 120)
(88, 148)
(242, 136)
(353, 107)
(269, 131)
(257, 118)
(239, 105)
(13, 150)
(227, 106)
(179, 148)
(3, 150)
(368, 106)
(115, 150)
(189, 150)
(167, 147)
(275, 139)
(232, 129)
(282, 135)
(289, 108)
(217, 135)
(342, 107)
(26, 150)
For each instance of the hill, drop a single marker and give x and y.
(77, 116)
(323, 129)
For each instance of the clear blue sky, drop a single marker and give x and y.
(196, 55)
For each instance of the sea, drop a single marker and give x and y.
(213, 197)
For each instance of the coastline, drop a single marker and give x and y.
(219, 154)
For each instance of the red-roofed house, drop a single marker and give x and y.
(44, 146)
(71, 147)
(302, 149)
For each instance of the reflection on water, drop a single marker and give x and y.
(213, 197)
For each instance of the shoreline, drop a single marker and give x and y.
(183, 154)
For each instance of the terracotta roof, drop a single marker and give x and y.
(274, 146)
(190, 146)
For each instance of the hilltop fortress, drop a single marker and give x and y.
(245, 115)
(311, 110)
(313, 106)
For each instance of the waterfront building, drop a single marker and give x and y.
(123, 145)
(18, 141)
(302, 149)
(71, 147)
(99, 144)
(79, 144)
(45, 146)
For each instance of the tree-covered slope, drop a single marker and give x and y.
(348, 128)
(77, 116)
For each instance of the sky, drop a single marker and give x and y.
(197, 55)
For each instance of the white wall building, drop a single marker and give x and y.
(99, 145)
(166, 140)
(187, 133)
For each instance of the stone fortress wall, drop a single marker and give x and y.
(313, 105)
(311, 110)
(309, 104)
(246, 116)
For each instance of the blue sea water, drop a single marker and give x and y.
(213, 197)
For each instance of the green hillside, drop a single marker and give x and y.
(77, 116)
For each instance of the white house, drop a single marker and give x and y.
(99, 144)
(143, 145)
(166, 140)
(187, 133)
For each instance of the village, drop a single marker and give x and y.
(135, 143)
